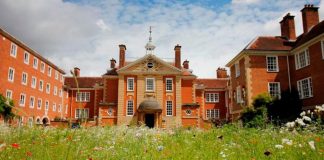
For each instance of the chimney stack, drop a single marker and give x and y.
(76, 72)
(177, 50)
(185, 64)
(287, 25)
(310, 17)
(221, 73)
(122, 50)
(112, 63)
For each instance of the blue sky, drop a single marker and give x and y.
(86, 33)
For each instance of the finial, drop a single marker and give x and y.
(149, 46)
(150, 38)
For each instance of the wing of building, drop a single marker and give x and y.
(33, 82)
(275, 64)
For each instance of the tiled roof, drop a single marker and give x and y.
(84, 82)
(314, 32)
(212, 83)
(269, 44)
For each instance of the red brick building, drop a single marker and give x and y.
(148, 91)
(34, 83)
(277, 63)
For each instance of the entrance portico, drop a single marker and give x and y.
(149, 113)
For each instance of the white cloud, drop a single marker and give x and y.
(87, 34)
(245, 1)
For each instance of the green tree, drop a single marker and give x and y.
(6, 108)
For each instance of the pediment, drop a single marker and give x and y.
(149, 64)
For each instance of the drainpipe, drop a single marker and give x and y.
(288, 73)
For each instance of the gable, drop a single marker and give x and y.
(149, 64)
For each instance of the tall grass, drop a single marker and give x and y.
(229, 142)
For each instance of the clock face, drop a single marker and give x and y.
(149, 64)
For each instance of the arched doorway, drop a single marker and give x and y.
(150, 113)
(149, 120)
(45, 121)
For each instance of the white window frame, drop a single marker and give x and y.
(62, 78)
(60, 92)
(169, 108)
(49, 71)
(212, 113)
(301, 91)
(322, 47)
(48, 89)
(33, 82)
(22, 101)
(276, 69)
(46, 105)
(130, 84)
(239, 98)
(9, 94)
(83, 97)
(13, 50)
(35, 63)
(41, 85)
(278, 92)
(130, 108)
(167, 84)
(24, 81)
(237, 69)
(26, 61)
(153, 85)
(55, 90)
(59, 109)
(56, 75)
(54, 107)
(83, 110)
(212, 97)
(42, 67)
(39, 103)
(11, 77)
(31, 102)
(298, 61)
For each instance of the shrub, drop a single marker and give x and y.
(287, 108)
(6, 108)
(256, 116)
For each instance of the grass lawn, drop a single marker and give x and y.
(229, 142)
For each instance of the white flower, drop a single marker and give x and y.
(278, 146)
(160, 148)
(286, 141)
(307, 118)
(300, 122)
(312, 144)
(290, 124)
(303, 113)
(308, 111)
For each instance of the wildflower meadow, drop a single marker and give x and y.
(122, 142)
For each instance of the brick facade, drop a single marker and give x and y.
(259, 70)
(28, 71)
